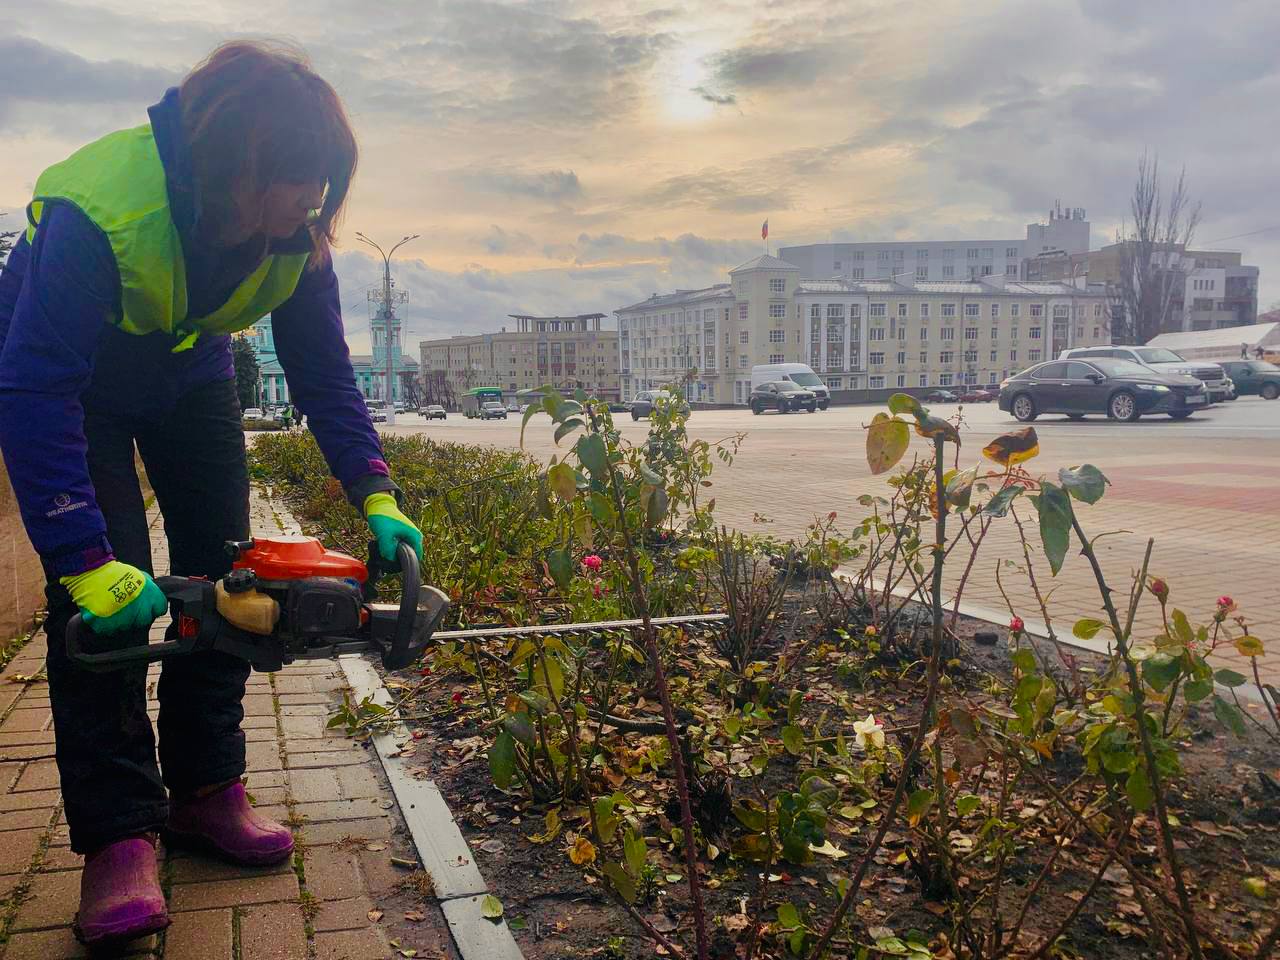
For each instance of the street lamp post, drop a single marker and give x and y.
(387, 315)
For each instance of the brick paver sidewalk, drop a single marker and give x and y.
(346, 825)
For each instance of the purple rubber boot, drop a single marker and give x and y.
(223, 823)
(120, 896)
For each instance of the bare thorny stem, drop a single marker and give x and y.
(641, 597)
(1136, 691)
(931, 692)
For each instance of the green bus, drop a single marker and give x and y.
(477, 397)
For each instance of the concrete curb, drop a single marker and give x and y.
(442, 851)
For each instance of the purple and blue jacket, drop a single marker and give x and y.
(56, 295)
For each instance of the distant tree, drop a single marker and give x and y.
(6, 242)
(1152, 268)
(247, 372)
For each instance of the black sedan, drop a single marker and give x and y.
(783, 396)
(943, 396)
(1254, 376)
(1121, 389)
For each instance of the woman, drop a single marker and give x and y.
(144, 251)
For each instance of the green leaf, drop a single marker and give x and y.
(930, 426)
(1228, 715)
(1054, 507)
(601, 509)
(999, 505)
(1024, 660)
(887, 441)
(594, 455)
(561, 566)
(654, 500)
(570, 425)
(1087, 628)
(649, 476)
(583, 530)
(635, 850)
(491, 907)
(502, 760)
(905, 403)
(918, 804)
(1086, 483)
(518, 725)
(788, 916)
(1138, 787)
(959, 488)
(534, 407)
(1229, 678)
(750, 817)
(793, 739)
(1160, 670)
(563, 481)
(1197, 690)
(621, 882)
(1182, 629)
(967, 803)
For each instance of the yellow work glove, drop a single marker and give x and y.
(391, 527)
(116, 597)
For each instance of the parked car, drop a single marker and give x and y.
(252, 413)
(617, 406)
(434, 412)
(643, 404)
(377, 414)
(493, 410)
(1254, 376)
(943, 396)
(783, 396)
(798, 373)
(977, 395)
(1161, 360)
(1121, 389)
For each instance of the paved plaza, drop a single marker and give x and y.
(1205, 489)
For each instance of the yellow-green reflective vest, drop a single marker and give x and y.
(118, 182)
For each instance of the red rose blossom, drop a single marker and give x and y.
(1159, 589)
(1016, 625)
(457, 697)
(1226, 603)
(592, 562)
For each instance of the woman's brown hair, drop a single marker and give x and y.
(255, 114)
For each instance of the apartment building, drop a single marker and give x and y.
(569, 352)
(1065, 231)
(856, 334)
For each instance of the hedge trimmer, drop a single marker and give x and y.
(288, 598)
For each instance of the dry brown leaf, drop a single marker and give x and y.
(375, 915)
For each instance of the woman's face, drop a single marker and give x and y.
(287, 206)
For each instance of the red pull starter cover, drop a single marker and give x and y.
(296, 557)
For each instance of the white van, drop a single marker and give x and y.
(797, 373)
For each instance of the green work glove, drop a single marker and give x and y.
(116, 597)
(391, 527)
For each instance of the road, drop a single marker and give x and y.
(1205, 489)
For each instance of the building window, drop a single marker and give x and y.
(947, 356)
(876, 310)
(857, 255)
(778, 311)
(902, 332)
(1097, 309)
(995, 332)
(924, 358)
(775, 358)
(857, 273)
(902, 379)
(1013, 333)
(835, 311)
(922, 273)
(838, 266)
(924, 334)
(835, 383)
(855, 311)
(972, 253)
(897, 254)
(948, 333)
(1011, 270)
(815, 311)
(971, 309)
(877, 383)
(922, 254)
(902, 309)
(777, 336)
(1037, 310)
(948, 309)
(1033, 356)
(1013, 310)
(993, 356)
(944, 380)
(742, 361)
(971, 356)
(948, 272)
(924, 311)
(1096, 332)
(742, 311)
(902, 359)
(876, 358)
(1079, 331)
(875, 333)
(1060, 312)
(1013, 356)
(986, 270)
(777, 286)
(988, 253)
(882, 255)
(924, 380)
(995, 311)
(1034, 333)
(744, 336)
(971, 333)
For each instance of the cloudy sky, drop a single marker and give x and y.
(563, 156)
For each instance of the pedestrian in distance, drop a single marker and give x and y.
(144, 251)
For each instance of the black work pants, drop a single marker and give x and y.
(194, 456)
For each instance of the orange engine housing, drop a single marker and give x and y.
(297, 557)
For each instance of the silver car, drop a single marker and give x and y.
(643, 404)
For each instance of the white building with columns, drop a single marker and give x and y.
(857, 335)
